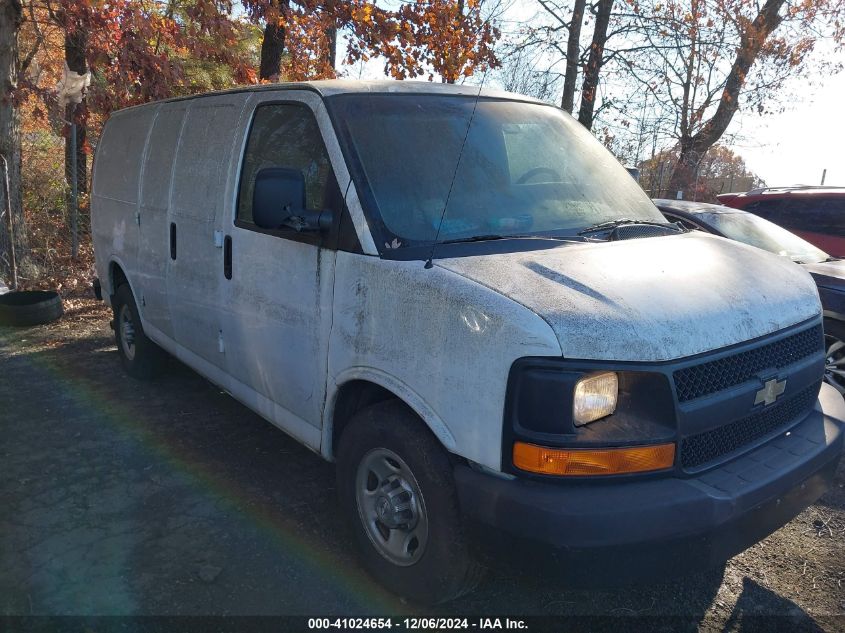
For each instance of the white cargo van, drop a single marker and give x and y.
(469, 305)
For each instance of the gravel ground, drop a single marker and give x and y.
(121, 497)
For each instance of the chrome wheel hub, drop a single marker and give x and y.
(396, 505)
(391, 507)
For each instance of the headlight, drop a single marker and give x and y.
(595, 397)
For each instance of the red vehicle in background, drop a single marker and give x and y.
(815, 213)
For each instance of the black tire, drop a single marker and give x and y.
(141, 358)
(31, 307)
(834, 345)
(444, 568)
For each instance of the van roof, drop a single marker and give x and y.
(332, 87)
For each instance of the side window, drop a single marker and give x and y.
(829, 216)
(793, 214)
(805, 213)
(285, 135)
(771, 210)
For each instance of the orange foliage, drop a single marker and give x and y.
(143, 50)
(444, 37)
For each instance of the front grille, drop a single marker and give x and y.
(709, 377)
(704, 447)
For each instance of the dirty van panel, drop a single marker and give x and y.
(158, 163)
(120, 153)
(197, 201)
(278, 301)
(421, 336)
(155, 201)
(115, 190)
(273, 328)
(202, 161)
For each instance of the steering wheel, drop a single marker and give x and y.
(536, 172)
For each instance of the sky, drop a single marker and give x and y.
(795, 146)
(792, 147)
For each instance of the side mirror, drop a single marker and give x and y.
(279, 200)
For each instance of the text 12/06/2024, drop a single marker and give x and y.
(418, 624)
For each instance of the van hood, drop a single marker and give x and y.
(650, 299)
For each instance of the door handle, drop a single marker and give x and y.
(172, 240)
(227, 257)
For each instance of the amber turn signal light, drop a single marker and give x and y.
(581, 461)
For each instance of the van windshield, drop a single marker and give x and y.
(525, 169)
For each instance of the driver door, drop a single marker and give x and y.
(278, 282)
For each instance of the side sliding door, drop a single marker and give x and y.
(202, 182)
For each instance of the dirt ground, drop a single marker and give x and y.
(119, 497)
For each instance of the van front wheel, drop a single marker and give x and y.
(138, 354)
(396, 488)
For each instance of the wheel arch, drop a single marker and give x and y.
(835, 321)
(117, 276)
(358, 388)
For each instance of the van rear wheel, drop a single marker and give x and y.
(139, 356)
(397, 491)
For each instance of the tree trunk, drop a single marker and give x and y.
(76, 44)
(694, 148)
(273, 45)
(594, 64)
(331, 51)
(451, 75)
(10, 135)
(684, 173)
(573, 52)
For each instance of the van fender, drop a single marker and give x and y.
(109, 288)
(400, 389)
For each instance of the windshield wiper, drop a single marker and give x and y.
(475, 238)
(487, 238)
(612, 224)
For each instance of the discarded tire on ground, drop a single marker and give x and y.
(30, 307)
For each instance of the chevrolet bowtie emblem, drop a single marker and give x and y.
(770, 392)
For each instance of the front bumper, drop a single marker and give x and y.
(603, 532)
